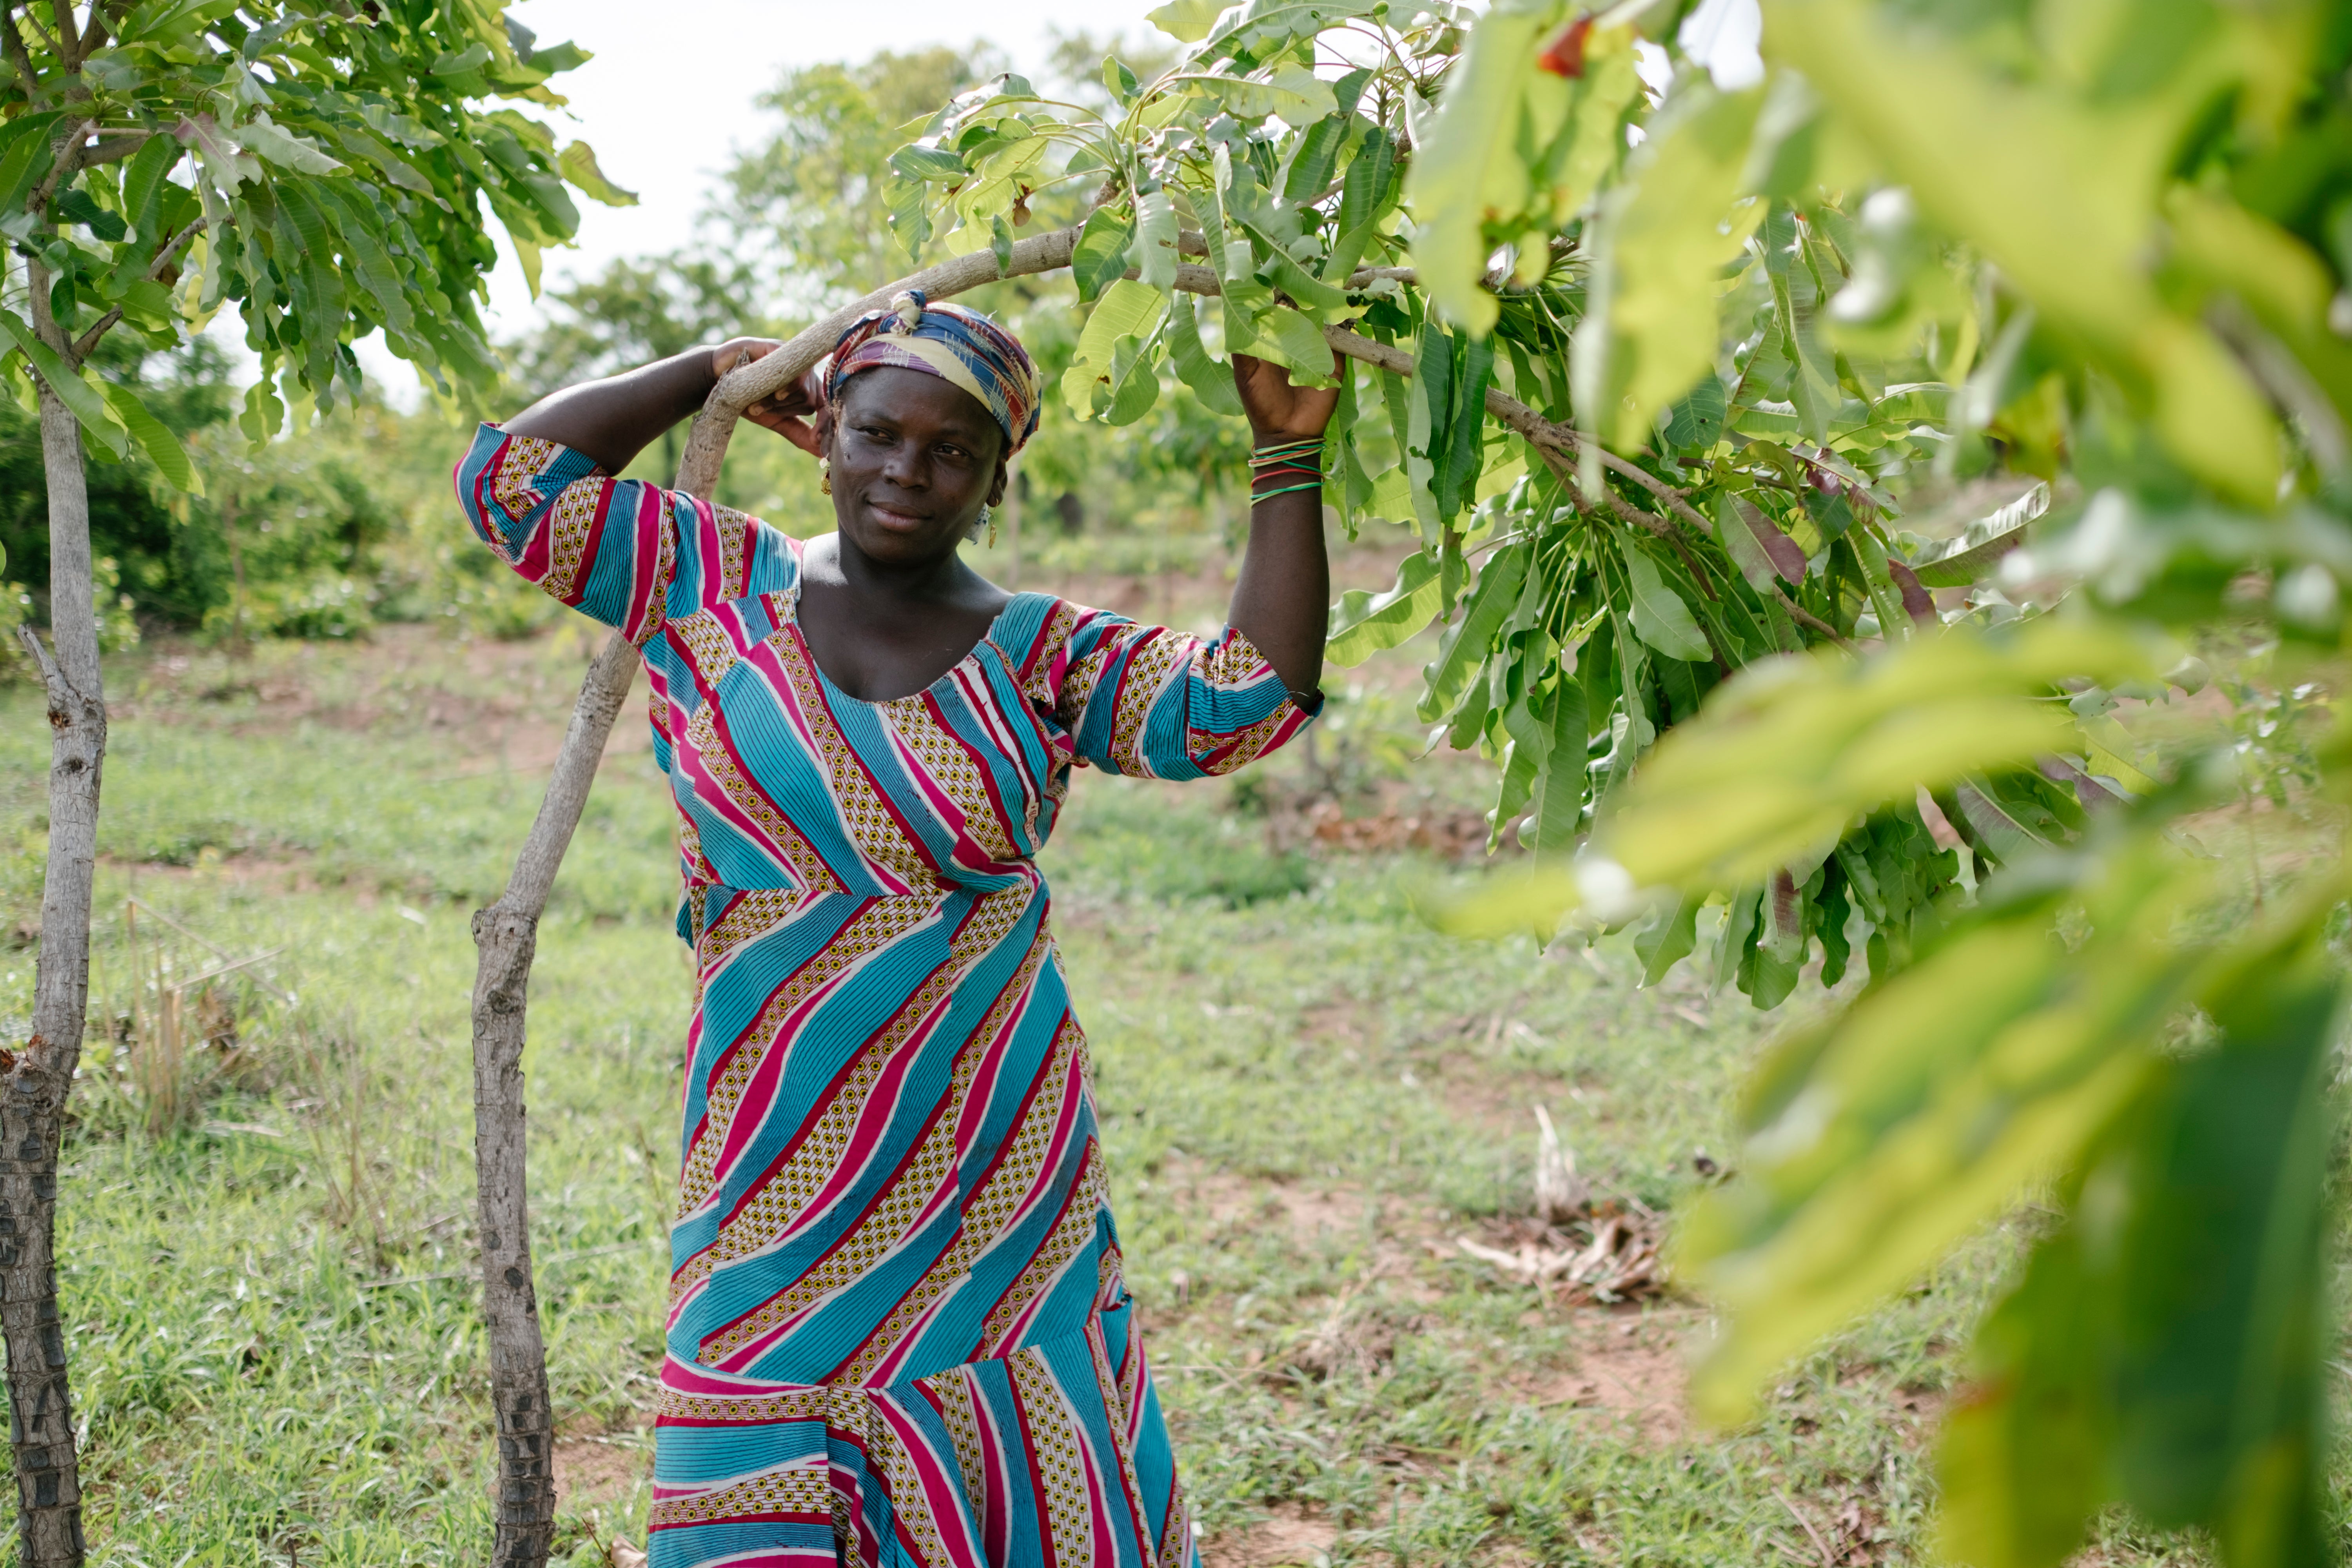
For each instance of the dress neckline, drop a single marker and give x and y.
(833, 688)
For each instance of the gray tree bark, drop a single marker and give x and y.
(33, 1084)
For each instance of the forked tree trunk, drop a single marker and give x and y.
(34, 1084)
(508, 933)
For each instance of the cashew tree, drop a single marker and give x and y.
(326, 170)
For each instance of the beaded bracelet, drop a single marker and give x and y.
(1299, 460)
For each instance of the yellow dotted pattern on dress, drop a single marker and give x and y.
(958, 1412)
(1056, 1455)
(801, 858)
(803, 1490)
(1078, 687)
(793, 1402)
(515, 489)
(1067, 1240)
(880, 924)
(909, 1499)
(1176, 1535)
(731, 526)
(786, 1196)
(1247, 744)
(705, 642)
(1052, 637)
(751, 916)
(992, 1208)
(1114, 1398)
(1148, 673)
(569, 528)
(1233, 663)
(952, 767)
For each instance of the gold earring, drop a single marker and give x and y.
(825, 475)
(989, 513)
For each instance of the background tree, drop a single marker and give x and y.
(323, 170)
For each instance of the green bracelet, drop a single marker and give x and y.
(1258, 495)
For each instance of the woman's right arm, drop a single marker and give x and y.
(540, 491)
(614, 419)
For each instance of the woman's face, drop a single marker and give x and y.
(914, 459)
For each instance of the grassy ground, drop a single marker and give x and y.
(1307, 1098)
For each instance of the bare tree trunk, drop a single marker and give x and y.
(33, 1087)
(507, 934)
(236, 568)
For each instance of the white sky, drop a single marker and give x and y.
(669, 96)
(669, 93)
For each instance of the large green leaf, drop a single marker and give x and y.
(2165, 1347)
(1659, 614)
(1667, 237)
(154, 439)
(1363, 623)
(86, 402)
(1129, 311)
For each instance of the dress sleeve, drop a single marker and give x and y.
(606, 547)
(1155, 703)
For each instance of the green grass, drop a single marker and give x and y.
(1306, 1096)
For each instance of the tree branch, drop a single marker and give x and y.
(67, 164)
(93, 35)
(112, 147)
(19, 54)
(163, 258)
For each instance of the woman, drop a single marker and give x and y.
(898, 1330)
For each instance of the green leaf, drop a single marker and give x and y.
(1155, 238)
(162, 448)
(2164, 1348)
(1468, 642)
(1129, 314)
(1659, 614)
(1099, 258)
(1186, 21)
(935, 165)
(1695, 422)
(1290, 340)
(1559, 793)
(1211, 382)
(279, 146)
(85, 402)
(1363, 623)
(1466, 155)
(1669, 936)
(1668, 236)
(579, 166)
(75, 206)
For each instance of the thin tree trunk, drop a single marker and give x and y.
(33, 1087)
(236, 568)
(507, 933)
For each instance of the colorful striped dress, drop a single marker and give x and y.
(897, 1331)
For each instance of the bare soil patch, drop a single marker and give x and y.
(599, 1472)
(1637, 1371)
(1292, 1537)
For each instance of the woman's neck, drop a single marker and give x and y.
(835, 561)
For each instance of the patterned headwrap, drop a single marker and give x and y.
(956, 345)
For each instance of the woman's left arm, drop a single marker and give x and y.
(1281, 602)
